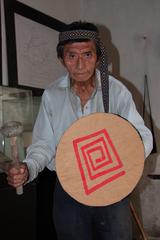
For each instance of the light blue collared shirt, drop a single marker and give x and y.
(60, 107)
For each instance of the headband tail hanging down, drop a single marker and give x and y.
(104, 78)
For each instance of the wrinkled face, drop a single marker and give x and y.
(80, 59)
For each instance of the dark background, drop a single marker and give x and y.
(27, 216)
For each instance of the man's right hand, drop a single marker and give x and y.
(17, 175)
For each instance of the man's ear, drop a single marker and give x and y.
(97, 63)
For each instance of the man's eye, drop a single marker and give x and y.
(71, 56)
(88, 54)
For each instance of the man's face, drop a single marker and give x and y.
(80, 59)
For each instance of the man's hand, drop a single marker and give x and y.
(17, 175)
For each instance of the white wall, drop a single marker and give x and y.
(66, 11)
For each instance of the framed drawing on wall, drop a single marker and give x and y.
(31, 38)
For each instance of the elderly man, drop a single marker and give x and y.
(82, 91)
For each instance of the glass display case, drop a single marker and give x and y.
(17, 105)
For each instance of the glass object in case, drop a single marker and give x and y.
(16, 122)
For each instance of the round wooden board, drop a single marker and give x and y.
(100, 159)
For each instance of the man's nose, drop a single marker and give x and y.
(80, 62)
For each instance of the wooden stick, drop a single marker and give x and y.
(138, 221)
(15, 157)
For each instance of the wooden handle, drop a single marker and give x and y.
(15, 157)
(19, 190)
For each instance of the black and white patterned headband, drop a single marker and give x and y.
(92, 35)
